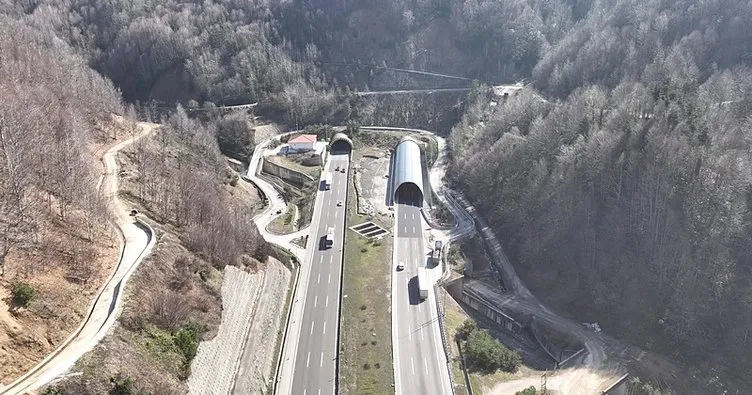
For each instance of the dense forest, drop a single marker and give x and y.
(628, 200)
(52, 106)
(624, 196)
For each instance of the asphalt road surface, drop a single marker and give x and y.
(315, 360)
(419, 360)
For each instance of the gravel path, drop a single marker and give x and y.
(213, 369)
(255, 370)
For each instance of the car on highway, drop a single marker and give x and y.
(342, 170)
(400, 266)
(337, 169)
(339, 203)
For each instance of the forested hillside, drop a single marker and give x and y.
(628, 201)
(55, 244)
(225, 52)
(52, 107)
(624, 197)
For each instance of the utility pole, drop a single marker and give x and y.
(544, 381)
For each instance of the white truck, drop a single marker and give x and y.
(423, 285)
(329, 237)
(328, 181)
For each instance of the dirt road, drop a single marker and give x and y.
(137, 242)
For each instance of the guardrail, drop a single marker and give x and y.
(616, 384)
(465, 374)
(442, 330)
(287, 319)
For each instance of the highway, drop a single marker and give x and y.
(315, 358)
(419, 360)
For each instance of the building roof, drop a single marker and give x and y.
(304, 138)
(507, 90)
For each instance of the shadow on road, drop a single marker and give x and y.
(413, 293)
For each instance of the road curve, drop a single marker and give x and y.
(137, 241)
(587, 378)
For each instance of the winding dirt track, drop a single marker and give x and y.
(137, 241)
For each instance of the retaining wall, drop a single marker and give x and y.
(287, 174)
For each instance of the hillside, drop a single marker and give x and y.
(626, 202)
(55, 119)
(623, 197)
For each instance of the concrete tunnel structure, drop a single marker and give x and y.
(407, 173)
(340, 144)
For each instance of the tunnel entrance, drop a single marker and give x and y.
(409, 193)
(340, 145)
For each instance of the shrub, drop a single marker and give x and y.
(234, 137)
(169, 310)
(468, 327)
(527, 391)
(123, 386)
(23, 294)
(483, 352)
(52, 391)
(186, 340)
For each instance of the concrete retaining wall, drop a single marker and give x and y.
(493, 313)
(559, 346)
(292, 176)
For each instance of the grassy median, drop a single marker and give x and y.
(366, 328)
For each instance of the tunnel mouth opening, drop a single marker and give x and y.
(340, 147)
(409, 193)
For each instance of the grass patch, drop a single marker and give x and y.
(453, 319)
(456, 258)
(366, 329)
(285, 223)
(174, 349)
(381, 140)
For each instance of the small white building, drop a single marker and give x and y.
(302, 143)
